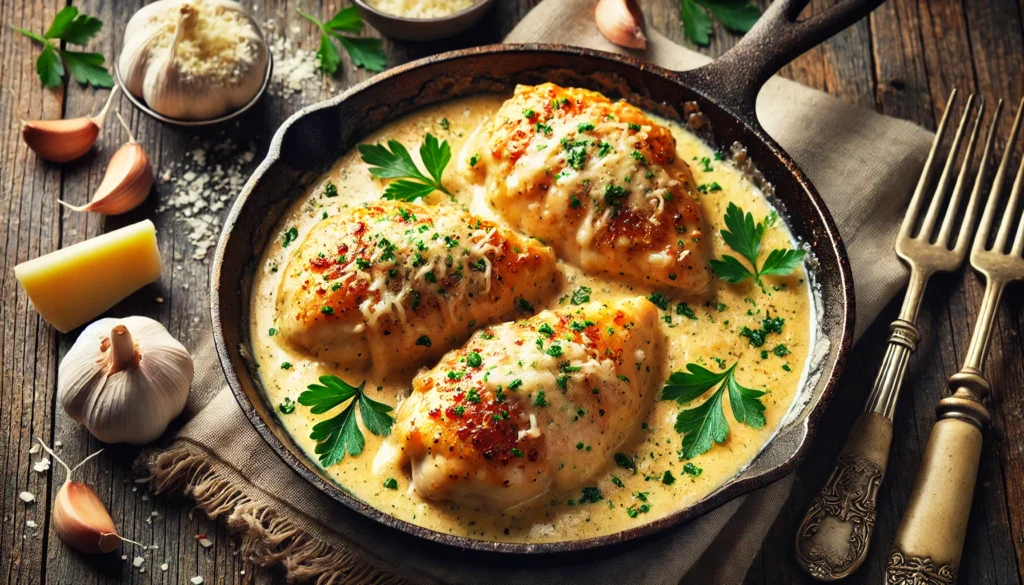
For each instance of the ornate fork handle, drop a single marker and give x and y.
(832, 540)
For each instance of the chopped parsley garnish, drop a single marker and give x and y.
(516, 452)
(272, 331)
(286, 365)
(769, 324)
(603, 148)
(290, 236)
(287, 407)
(515, 384)
(478, 265)
(787, 368)
(562, 381)
(591, 495)
(634, 127)
(667, 478)
(639, 157)
(584, 127)
(744, 236)
(330, 190)
(430, 277)
(474, 159)
(423, 340)
(445, 124)
(397, 163)
(365, 52)
(580, 325)
(581, 295)
(705, 425)
(659, 301)
(524, 305)
(327, 310)
(546, 329)
(617, 482)
(692, 470)
(685, 310)
(340, 434)
(543, 129)
(625, 462)
(614, 194)
(540, 400)
(473, 396)
(555, 350)
(781, 350)
(474, 360)
(391, 483)
(363, 263)
(529, 113)
(575, 152)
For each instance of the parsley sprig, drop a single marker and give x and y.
(75, 29)
(744, 236)
(735, 15)
(340, 434)
(397, 163)
(706, 425)
(364, 52)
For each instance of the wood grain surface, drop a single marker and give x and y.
(903, 62)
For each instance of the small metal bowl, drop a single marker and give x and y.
(141, 104)
(423, 29)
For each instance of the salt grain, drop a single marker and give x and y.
(197, 580)
(164, 567)
(137, 561)
(205, 542)
(31, 524)
(27, 497)
(41, 466)
(34, 448)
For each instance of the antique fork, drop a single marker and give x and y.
(930, 537)
(833, 538)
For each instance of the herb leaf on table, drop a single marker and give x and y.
(75, 29)
(340, 434)
(744, 236)
(735, 15)
(705, 425)
(397, 163)
(365, 52)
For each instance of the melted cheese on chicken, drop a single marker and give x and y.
(529, 406)
(396, 285)
(597, 180)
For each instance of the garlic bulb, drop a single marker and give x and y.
(125, 379)
(193, 59)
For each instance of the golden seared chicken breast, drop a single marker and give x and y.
(597, 180)
(394, 285)
(529, 406)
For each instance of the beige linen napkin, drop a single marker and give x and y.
(863, 164)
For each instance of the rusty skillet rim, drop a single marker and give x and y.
(733, 488)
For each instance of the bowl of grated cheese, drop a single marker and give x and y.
(422, 20)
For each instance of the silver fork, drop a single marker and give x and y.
(833, 538)
(930, 537)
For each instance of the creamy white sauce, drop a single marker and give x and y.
(714, 335)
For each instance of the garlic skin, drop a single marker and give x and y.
(63, 141)
(126, 182)
(621, 22)
(125, 379)
(193, 59)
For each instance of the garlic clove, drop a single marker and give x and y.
(65, 140)
(82, 521)
(126, 183)
(621, 22)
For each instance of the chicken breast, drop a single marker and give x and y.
(529, 406)
(597, 180)
(395, 285)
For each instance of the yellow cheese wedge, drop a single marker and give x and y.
(71, 286)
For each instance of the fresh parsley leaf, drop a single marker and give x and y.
(696, 23)
(75, 29)
(364, 52)
(397, 163)
(705, 425)
(735, 15)
(581, 295)
(744, 235)
(340, 434)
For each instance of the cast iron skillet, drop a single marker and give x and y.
(312, 140)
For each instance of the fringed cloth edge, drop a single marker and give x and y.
(268, 539)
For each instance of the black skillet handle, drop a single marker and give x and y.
(734, 79)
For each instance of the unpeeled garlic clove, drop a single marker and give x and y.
(621, 22)
(82, 521)
(65, 140)
(126, 183)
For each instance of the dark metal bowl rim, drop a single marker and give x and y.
(733, 488)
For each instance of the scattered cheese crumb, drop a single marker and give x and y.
(42, 466)
(421, 8)
(27, 497)
(58, 444)
(137, 561)
(34, 448)
(197, 580)
(294, 68)
(31, 524)
(164, 567)
(205, 542)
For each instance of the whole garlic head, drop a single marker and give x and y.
(125, 379)
(193, 59)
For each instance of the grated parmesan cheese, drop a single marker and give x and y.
(421, 8)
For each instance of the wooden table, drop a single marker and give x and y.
(902, 62)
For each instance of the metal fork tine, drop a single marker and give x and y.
(926, 174)
(985, 227)
(964, 238)
(961, 180)
(940, 190)
(1011, 205)
(1018, 241)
